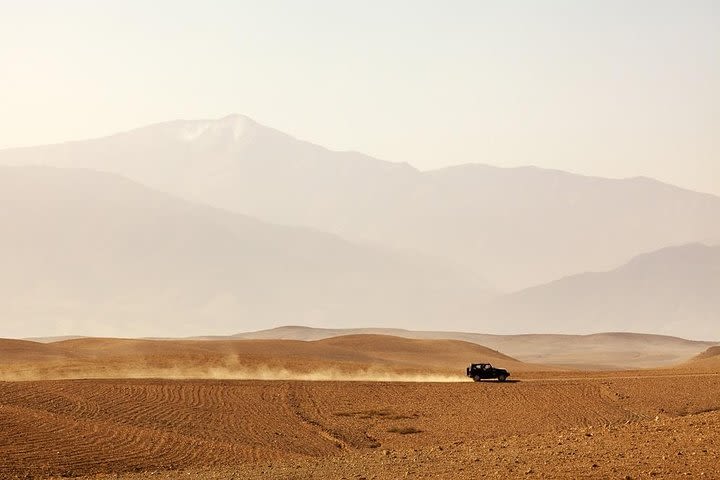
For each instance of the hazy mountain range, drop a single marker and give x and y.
(516, 227)
(369, 242)
(93, 253)
(674, 291)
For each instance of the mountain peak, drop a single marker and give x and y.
(235, 126)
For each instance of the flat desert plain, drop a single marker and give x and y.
(81, 408)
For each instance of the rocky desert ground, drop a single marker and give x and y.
(81, 408)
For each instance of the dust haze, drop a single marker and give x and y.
(226, 373)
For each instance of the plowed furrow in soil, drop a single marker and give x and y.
(64, 445)
(114, 426)
(84, 426)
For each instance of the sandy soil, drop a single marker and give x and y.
(543, 424)
(659, 426)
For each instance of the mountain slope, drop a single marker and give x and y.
(672, 291)
(90, 253)
(518, 227)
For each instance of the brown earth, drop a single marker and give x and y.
(545, 424)
(551, 428)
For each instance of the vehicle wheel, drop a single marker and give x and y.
(476, 378)
(502, 378)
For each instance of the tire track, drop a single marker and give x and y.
(296, 394)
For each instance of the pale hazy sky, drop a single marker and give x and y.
(612, 88)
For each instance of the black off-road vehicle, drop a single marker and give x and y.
(484, 371)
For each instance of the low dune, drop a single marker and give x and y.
(599, 351)
(24, 351)
(709, 360)
(710, 353)
(352, 357)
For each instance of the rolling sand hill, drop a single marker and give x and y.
(709, 360)
(710, 353)
(349, 357)
(601, 351)
(16, 351)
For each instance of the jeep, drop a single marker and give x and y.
(482, 371)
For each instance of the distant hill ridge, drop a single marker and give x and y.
(595, 351)
(364, 354)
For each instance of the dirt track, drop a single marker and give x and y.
(215, 429)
